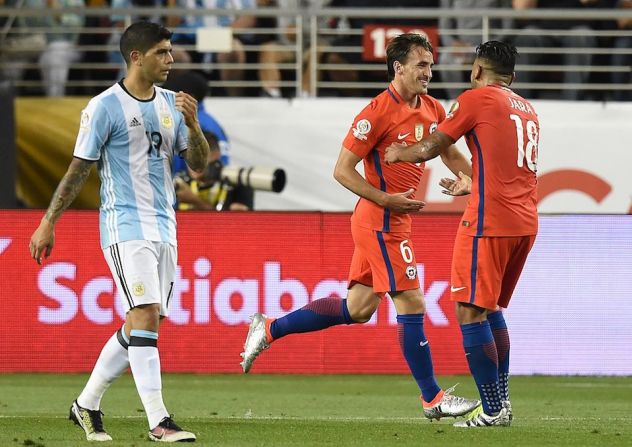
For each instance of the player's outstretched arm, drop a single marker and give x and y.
(456, 162)
(425, 150)
(43, 239)
(196, 155)
(346, 174)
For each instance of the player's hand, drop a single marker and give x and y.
(187, 105)
(456, 187)
(401, 203)
(42, 241)
(392, 154)
(184, 192)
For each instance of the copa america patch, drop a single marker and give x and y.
(411, 272)
(362, 128)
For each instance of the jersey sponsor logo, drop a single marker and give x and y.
(456, 289)
(166, 121)
(433, 127)
(138, 289)
(134, 122)
(419, 131)
(362, 128)
(401, 137)
(411, 272)
(453, 110)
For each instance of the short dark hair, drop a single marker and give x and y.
(400, 46)
(142, 36)
(191, 82)
(501, 56)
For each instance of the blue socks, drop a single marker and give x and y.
(410, 329)
(480, 351)
(501, 337)
(317, 315)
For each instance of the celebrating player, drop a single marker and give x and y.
(133, 130)
(500, 222)
(383, 260)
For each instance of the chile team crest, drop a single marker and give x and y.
(419, 132)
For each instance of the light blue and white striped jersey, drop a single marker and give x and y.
(134, 143)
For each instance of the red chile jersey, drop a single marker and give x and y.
(502, 132)
(388, 119)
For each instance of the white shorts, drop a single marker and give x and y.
(144, 272)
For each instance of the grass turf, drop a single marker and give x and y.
(268, 410)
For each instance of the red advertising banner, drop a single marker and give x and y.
(58, 315)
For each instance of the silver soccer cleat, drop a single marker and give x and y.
(450, 405)
(478, 418)
(256, 341)
(168, 431)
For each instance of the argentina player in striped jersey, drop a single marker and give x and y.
(132, 131)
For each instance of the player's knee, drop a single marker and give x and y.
(145, 317)
(362, 315)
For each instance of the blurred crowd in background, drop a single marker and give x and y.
(273, 46)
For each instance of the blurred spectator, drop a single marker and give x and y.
(273, 53)
(120, 22)
(582, 39)
(237, 55)
(357, 23)
(453, 32)
(206, 191)
(58, 49)
(623, 60)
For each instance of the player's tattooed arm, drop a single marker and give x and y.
(68, 188)
(425, 150)
(196, 155)
(43, 238)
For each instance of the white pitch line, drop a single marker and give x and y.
(410, 420)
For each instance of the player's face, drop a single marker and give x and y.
(417, 71)
(157, 62)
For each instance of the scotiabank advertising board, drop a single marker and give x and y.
(570, 313)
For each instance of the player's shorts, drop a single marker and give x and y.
(485, 270)
(384, 261)
(144, 272)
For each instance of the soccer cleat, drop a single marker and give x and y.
(256, 340)
(446, 404)
(169, 431)
(90, 421)
(478, 418)
(507, 405)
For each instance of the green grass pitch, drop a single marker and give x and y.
(342, 410)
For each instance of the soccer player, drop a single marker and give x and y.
(132, 131)
(383, 260)
(500, 221)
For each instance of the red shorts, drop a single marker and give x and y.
(485, 270)
(384, 261)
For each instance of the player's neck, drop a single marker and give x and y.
(410, 98)
(139, 88)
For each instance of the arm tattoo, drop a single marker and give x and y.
(429, 148)
(68, 188)
(196, 155)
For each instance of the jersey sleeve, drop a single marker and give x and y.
(94, 131)
(366, 131)
(462, 116)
